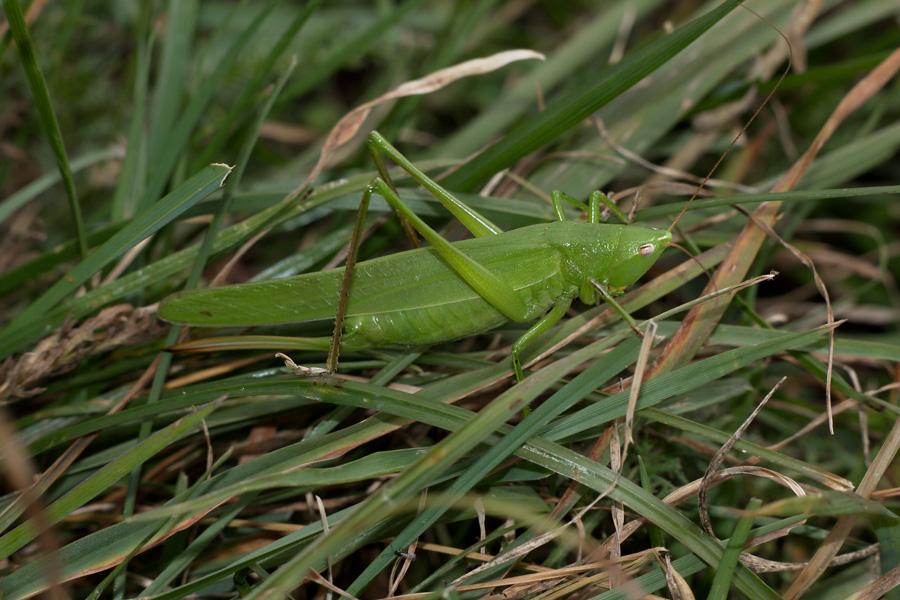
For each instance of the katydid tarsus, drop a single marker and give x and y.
(444, 292)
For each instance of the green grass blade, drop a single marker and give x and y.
(721, 584)
(580, 103)
(31, 321)
(129, 188)
(196, 547)
(44, 106)
(350, 50)
(175, 143)
(417, 476)
(675, 208)
(599, 478)
(677, 382)
(680, 526)
(43, 183)
(411, 408)
(100, 481)
(586, 382)
(170, 85)
(381, 464)
(564, 64)
(102, 549)
(239, 107)
(172, 336)
(720, 437)
(140, 544)
(887, 530)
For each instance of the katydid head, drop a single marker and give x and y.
(636, 251)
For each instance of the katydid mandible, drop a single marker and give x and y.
(445, 292)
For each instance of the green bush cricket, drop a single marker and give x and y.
(446, 292)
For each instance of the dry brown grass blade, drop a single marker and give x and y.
(19, 473)
(314, 576)
(856, 97)
(758, 565)
(719, 458)
(617, 510)
(880, 587)
(820, 285)
(666, 171)
(637, 379)
(405, 557)
(351, 123)
(222, 275)
(323, 518)
(700, 322)
(802, 17)
(678, 585)
(832, 544)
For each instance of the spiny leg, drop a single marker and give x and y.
(557, 197)
(592, 209)
(386, 177)
(598, 198)
(335, 349)
(549, 320)
(604, 293)
(490, 287)
(471, 219)
(474, 221)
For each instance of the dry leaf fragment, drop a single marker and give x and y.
(349, 125)
(115, 326)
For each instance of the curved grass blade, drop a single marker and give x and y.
(547, 454)
(238, 109)
(583, 384)
(675, 208)
(721, 584)
(32, 322)
(48, 116)
(566, 62)
(678, 382)
(178, 139)
(101, 480)
(129, 187)
(580, 103)
(103, 549)
(421, 409)
(20, 198)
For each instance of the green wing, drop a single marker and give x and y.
(397, 282)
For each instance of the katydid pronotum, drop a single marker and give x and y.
(447, 291)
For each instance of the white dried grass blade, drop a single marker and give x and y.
(350, 124)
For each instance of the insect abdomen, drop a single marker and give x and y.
(445, 321)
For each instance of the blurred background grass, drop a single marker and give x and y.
(147, 95)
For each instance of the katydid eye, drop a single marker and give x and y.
(646, 250)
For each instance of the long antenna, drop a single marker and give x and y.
(746, 125)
